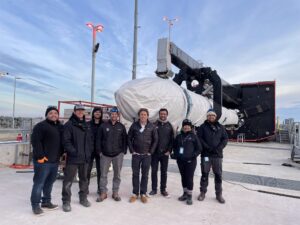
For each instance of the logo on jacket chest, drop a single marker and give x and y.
(107, 129)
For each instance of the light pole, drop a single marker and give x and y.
(14, 101)
(134, 58)
(95, 47)
(170, 24)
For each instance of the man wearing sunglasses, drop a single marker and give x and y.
(78, 144)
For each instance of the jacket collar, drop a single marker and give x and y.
(77, 122)
(52, 122)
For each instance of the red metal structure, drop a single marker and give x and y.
(105, 107)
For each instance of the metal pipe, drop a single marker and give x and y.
(134, 60)
(93, 65)
(14, 102)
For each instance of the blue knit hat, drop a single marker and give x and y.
(211, 112)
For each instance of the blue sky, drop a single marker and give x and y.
(47, 41)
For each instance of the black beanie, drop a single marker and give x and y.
(51, 108)
(187, 122)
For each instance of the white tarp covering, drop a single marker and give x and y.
(155, 93)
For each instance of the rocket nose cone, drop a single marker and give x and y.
(151, 93)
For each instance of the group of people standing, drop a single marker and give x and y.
(151, 145)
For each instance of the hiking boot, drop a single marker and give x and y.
(220, 198)
(101, 197)
(116, 197)
(144, 199)
(153, 192)
(189, 200)
(183, 197)
(201, 197)
(66, 207)
(85, 202)
(133, 198)
(49, 206)
(37, 211)
(165, 193)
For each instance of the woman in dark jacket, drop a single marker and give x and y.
(186, 149)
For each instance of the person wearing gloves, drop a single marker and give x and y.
(213, 137)
(78, 146)
(95, 123)
(142, 142)
(111, 146)
(186, 149)
(46, 140)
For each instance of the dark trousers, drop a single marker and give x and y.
(96, 157)
(163, 160)
(187, 170)
(216, 164)
(43, 179)
(69, 175)
(140, 163)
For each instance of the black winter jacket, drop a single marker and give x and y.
(78, 141)
(165, 137)
(94, 129)
(111, 139)
(214, 138)
(190, 144)
(46, 140)
(142, 142)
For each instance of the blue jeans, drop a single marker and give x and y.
(43, 179)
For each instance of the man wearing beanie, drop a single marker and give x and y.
(213, 137)
(95, 123)
(46, 140)
(186, 149)
(78, 145)
(111, 145)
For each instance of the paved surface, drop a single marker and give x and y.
(242, 206)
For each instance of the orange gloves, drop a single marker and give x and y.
(43, 160)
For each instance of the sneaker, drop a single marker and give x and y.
(220, 199)
(37, 211)
(133, 198)
(153, 192)
(66, 207)
(101, 197)
(144, 199)
(116, 197)
(201, 197)
(85, 202)
(183, 197)
(49, 206)
(165, 194)
(189, 200)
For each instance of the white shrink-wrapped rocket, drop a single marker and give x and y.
(155, 93)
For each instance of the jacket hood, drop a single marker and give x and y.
(95, 110)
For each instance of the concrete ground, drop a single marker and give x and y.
(242, 206)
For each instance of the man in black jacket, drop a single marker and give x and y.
(46, 140)
(161, 155)
(142, 142)
(78, 145)
(111, 145)
(186, 150)
(213, 137)
(95, 123)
